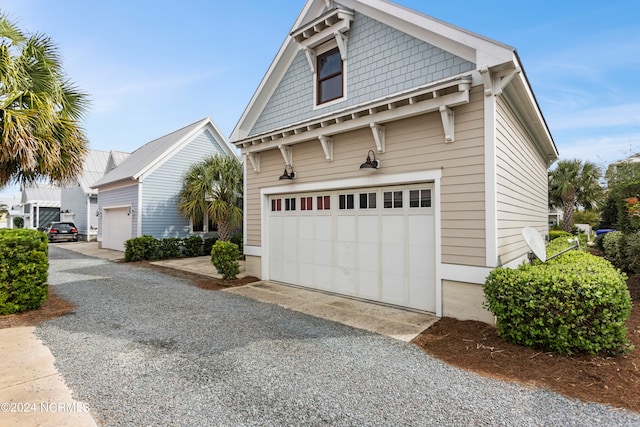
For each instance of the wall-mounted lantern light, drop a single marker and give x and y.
(288, 173)
(371, 163)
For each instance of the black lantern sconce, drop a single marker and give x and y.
(371, 163)
(288, 173)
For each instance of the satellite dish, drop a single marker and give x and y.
(535, 242)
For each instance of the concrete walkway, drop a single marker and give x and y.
(32, 392)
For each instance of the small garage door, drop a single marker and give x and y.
(116, 228)
(377, 244)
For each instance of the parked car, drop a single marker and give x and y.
(61, 231)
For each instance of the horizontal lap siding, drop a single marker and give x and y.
(413, 144)
(522, 195)
(161, 218)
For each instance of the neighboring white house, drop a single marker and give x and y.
(10, 209)
(79, 202)
(392, 157)
(139, 194)
(40, 204)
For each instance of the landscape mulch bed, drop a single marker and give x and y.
(473, 346)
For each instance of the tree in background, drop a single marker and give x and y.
(40, 109)
(574, 183)
(214, 187)
(623, 185)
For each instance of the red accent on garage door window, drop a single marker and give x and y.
(324, 203)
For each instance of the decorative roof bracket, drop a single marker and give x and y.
(378, 136)
(287, 154)
(448, 123)
(311, 58)
(341, 39)
(254, 158)
(494, 84)
(327, 147)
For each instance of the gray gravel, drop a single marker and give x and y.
(146, 349)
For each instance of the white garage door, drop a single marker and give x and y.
(376, 244)
(116, 228)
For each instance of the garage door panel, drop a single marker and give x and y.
(363, 250)
(116, 224)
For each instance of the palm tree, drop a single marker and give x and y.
(214, 186)
(40, 109)
(574, 183)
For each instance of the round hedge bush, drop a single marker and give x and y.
(576, 302)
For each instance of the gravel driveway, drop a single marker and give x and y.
(146, 349)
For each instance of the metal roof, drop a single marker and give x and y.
(136, 164)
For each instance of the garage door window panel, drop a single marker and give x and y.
(368, 200)
(420, 198)
(393, 199)
(290, 204)
(346, 201)
(306, 203)
(323, 203)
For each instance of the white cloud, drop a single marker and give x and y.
(601, 150)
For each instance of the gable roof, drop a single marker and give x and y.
(157, 151)
(92, 169)
(115, 158)
(486, 53)
(44, 195)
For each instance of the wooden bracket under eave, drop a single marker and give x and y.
(448, 123)
(287, 154)
(378, 136)
(254, 158)
(327, 147)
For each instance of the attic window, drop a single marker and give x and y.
(329, 76)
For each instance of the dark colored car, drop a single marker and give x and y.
(62, 231)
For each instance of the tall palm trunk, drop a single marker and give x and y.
(568, 207)
(224, 233)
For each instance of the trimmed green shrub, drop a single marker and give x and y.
(24, 266)
(576, 302)
(224, 256)
(560, 244)
(208, 244)
(192, 246)
(614, 246)
(632, 253)
(237, 239)
(623, 250)
(170, 248)
(142, 248)
(554, 234)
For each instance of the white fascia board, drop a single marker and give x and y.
(123, 183)
(275, 72)
(267, 86)
(357, 182)
(464, 273)
(171, 151)
(253, 250)
(473, 47)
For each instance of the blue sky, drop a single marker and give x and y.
(152, 67)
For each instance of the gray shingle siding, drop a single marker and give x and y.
(160, 216)
(127, 196)
(381, 61)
